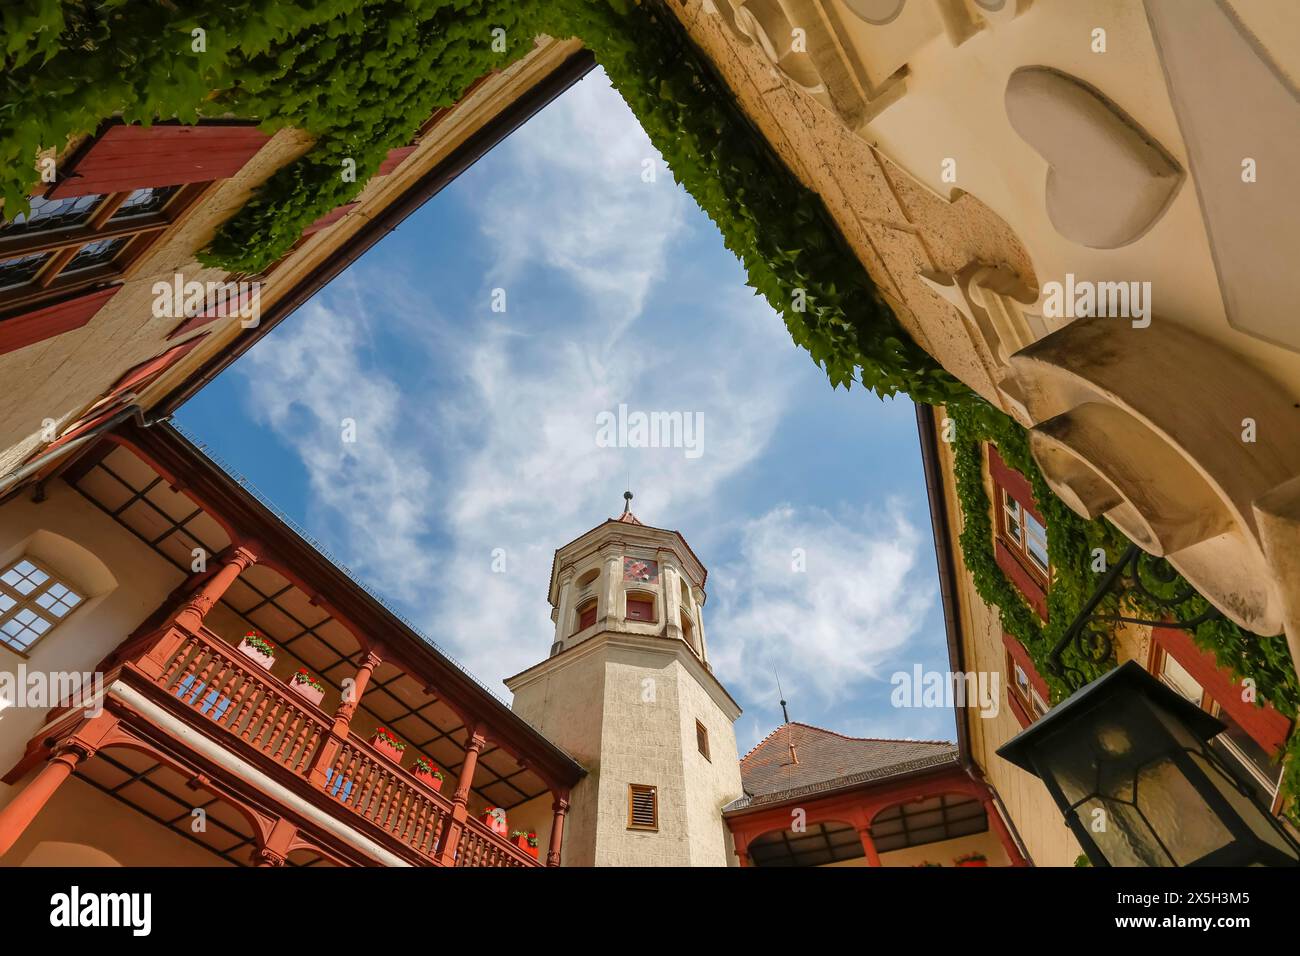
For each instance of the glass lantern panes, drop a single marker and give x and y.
(32, 602)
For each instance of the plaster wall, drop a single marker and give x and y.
(138, 581)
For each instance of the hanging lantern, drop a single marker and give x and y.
(1127, 762)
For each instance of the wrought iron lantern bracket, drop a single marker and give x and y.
(1089, 633)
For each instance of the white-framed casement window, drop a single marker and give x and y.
(1026, 533)
(33, 601)
(1023, 688)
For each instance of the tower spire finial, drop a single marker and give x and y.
(784, 713)
(627, 501)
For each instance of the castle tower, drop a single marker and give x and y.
(627, 690)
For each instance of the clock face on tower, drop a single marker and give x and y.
(640, 570)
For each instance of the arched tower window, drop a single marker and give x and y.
(641, 607)
(586, 615)
(587, 578)
(688, 631)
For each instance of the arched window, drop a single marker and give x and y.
(688, 630)
(586, 615)
(33, 601)
(641, 607)
(587, 578)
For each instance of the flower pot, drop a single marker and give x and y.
(387, 749)
(522, 843)
(427, 778)
(257, 657)
(307, 692)
(489, 820)
(973, 863)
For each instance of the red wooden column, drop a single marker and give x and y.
(190, 617)
(869, 846)
(193, 613)
(1004, 834)
(18, 814)
(329, 748)
(861, 816)
(348, 706)
(456, 821)
(741, 840)
(560, 807)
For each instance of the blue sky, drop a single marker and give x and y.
(476, 429)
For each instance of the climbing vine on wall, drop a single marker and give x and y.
(1071, 541)
(362, 75)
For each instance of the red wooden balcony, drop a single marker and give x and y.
(210, 687)
(207, 680)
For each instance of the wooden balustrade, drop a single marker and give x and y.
(387, 796)
(211, 678)
(480, 846)
(215, 680)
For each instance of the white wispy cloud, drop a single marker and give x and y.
(829, 628)
(307, 382)
(610, 236)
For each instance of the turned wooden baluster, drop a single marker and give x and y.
(277, 732)
(255, 721)
(226, 694)
(174, 664)
(243, 704)
(352, 768)
(386, 797)
(368, 779)
(290, 730)
(420, 832)
(311, 739)
(404, 815)
(294, 755)
(198, 690)
(266, 733)
(188, 681)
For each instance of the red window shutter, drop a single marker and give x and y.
(1267, 726)
(394, 159)
(330, 218)
(587, 618)
(133, 157)
(1014, 482)
(1021, 657)
(45, 323)
(144, 373)
(639, 609)
(232, 307)
(1025, 582)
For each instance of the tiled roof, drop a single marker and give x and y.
(829, 761)
(628, 518)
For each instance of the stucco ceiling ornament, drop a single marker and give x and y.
(1108, 181)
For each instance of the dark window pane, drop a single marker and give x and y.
(95, 254)
(21, 270)
(144, 201)
(49, 214)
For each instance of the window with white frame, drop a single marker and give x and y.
(33, 601)
(1025, 533)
